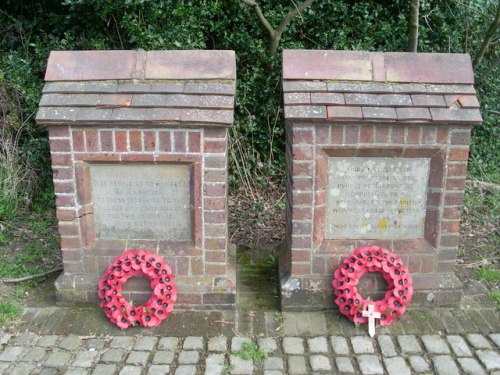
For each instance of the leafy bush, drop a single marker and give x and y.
(32, 29)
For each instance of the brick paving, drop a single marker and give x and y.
(295, 343)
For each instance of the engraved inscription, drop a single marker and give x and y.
(375, 198)
(142, 201)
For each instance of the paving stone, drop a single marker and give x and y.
(344, 365)
(159, 370)
(11, 353)
(3, 366)
(85, 359)
(22, 369)
(5, 338)
(478, 341)
(317, 345)
(163, 357)
(386, 346)
(459, 346)
(293, 345)
(470, 366)
(77, 371)
(418, 364)
(435, 344)
(297, 365)
(122, 342)
(495, 337)
(320, 363)
(113, 355)
(489, 358)
(409, 344)
(188, 357)
(146, 343)
(317, 323)
(168, 343)
(34, 354)
(240, 366)
(217, 344)
(445, 365)
(273, 363)
(214, 364)
(185, 370)
(130, 370)
(273, 372)
(268, 344)
(362, 345)
(193, 343)
(24, 339)
(369, 364)
(94, 344)
(102, 369)
(70, 343)
(237, 342)
(47, 341)
(138, 358)
(49, 371)
(339, 345)
(396, 366)
(58, 359)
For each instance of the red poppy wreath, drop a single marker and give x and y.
(372, 259)
(130, 264)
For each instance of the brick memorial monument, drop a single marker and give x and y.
(377, 148)
(139, 156)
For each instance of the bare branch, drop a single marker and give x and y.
(261, 17)
(490, 34)
(275, 34)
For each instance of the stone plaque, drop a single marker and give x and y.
(142, 201)
(375, 198)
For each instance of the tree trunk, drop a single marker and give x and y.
(413, 26)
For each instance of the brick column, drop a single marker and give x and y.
(342, 105)
(129, 108)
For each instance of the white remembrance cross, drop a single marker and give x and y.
(371, 314)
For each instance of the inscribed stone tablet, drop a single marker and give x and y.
(374, 198)
(142, 201)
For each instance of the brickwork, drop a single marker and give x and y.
(380, 119)
(173, 125)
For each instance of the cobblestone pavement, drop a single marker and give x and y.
(29, 353)
(422, 342)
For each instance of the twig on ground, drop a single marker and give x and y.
(31, 277)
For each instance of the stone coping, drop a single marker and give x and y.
(400, 67)
(379, 87)
(106, 65)
(156, 88)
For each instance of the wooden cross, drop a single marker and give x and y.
(371, 314)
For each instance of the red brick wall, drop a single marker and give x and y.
(201, 266)
(430, 259)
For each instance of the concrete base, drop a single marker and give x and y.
(193, 292)
(299, 293)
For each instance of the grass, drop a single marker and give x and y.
(488, 274)
(8, 311)
(495, 297)
(251, 352)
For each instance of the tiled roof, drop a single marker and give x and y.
(164, 87)
(388, 87)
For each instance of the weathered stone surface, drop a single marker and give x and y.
(459, 346)
(297, 365)
(362, 345)
(293, 345)
(471, 366)
(445, 365)
(317, 345)
(409, 344)
(369, 364)
(339, 345)
(396, 366)
(435, 344)
(320, 363)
